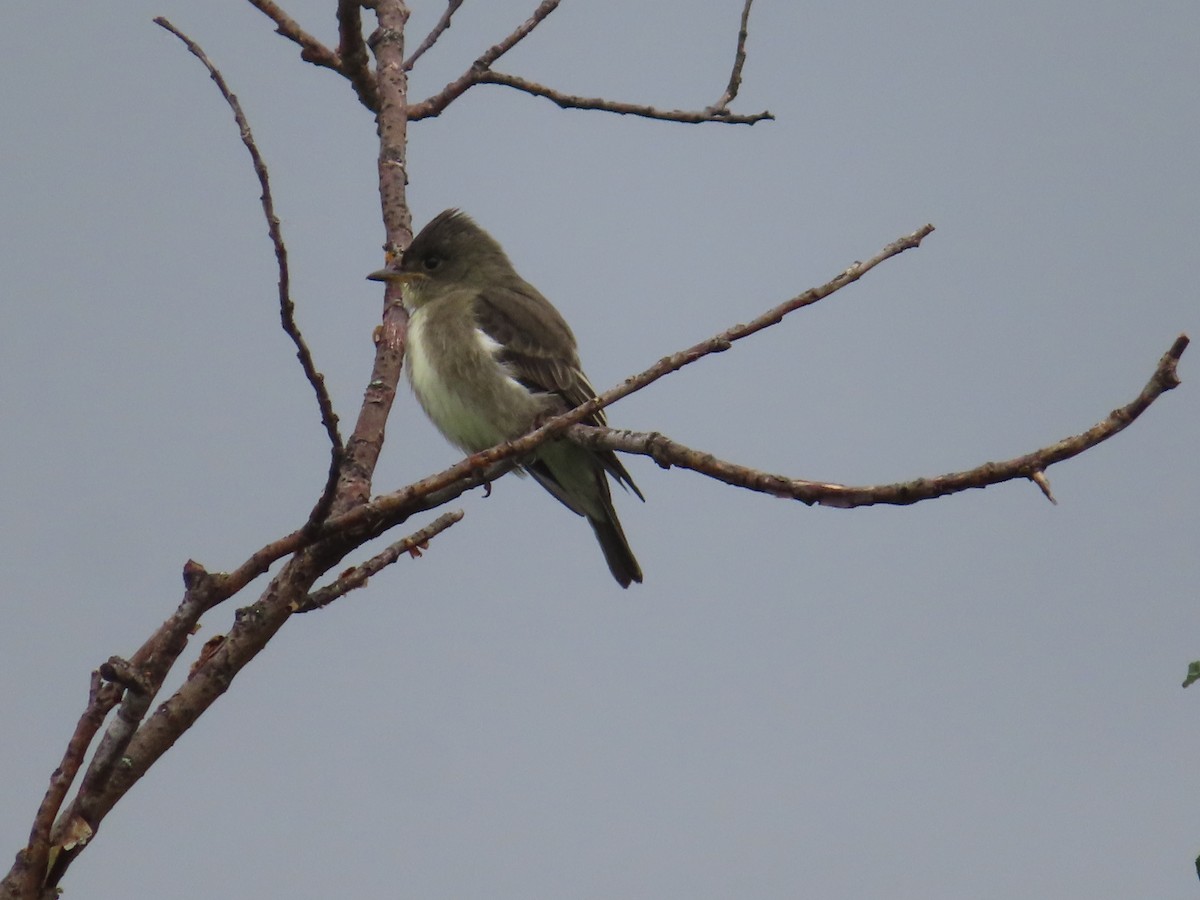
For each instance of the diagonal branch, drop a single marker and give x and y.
(349, 60)
(519, 34)
(33, 861)
(311, 50)
(287, 309)
(667, 453)
(357, 577)
(468, 79)
(432, 38)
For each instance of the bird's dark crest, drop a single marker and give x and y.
(448, 229)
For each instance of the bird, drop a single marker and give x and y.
(489, 358)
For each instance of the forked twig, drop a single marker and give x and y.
(481, 72)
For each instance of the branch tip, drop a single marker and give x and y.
(1039, 478)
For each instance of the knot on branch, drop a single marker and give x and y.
(195, 576)
(121, 671)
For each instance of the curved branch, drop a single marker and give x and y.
(287, 309)
(667, 453)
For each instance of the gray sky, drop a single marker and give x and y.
(974, 697)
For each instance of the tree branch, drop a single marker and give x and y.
(571, 101)
(357, 577)
(438, 30)
(33, 862)
(481, 72)
(739, 60)
(287, 309)
(468, 79)
(519, 34)
(366, 443)
(311, 50)
(353, 52)
(667, 453)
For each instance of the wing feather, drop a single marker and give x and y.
(539, 350)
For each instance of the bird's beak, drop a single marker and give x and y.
(394, 275)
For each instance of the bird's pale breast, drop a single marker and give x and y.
(471, 398)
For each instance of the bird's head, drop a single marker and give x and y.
(450, 252)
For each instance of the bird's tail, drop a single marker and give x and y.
(576, 477)
(616, 549)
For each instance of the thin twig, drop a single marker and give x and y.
(667, 453)
(468, 79)
(432, 38)
(739, 60)
(357, 577)
(572, 101)
(287, 309)
(519, 34)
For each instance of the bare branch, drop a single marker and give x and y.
(352, 49)
(519, 34)
(667, 453)
(739, 60)
(571, 101)
(349, 61)
(287, 309)
(481, 72)
(151, 663)
(311, 50)
(366, 443)
(357, 577)
(438, 30)
(32, 863)
(468, 79)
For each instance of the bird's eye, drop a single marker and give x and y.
(431, 262)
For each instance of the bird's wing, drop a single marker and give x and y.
(539, 351)
(538, 347)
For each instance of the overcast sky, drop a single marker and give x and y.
(973, 697)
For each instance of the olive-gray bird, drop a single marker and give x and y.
(489, 358)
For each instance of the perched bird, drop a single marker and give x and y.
(489, 357)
